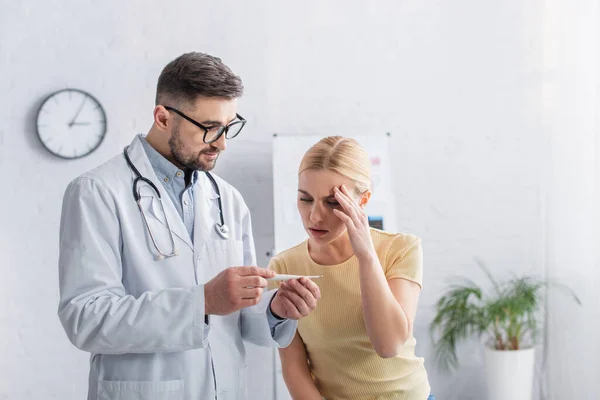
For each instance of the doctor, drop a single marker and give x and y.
(157, 262)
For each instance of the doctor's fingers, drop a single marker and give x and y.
(298, 302)
(254, 271)
(253, 281)
(310, 285)
(251, 293)
(291, 311)
(296, 287)
(243, 303)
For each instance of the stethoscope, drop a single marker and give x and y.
(220, 227)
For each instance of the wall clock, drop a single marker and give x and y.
(71, 123)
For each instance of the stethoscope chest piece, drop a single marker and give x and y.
(222, 230)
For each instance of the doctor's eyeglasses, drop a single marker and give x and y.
(213, 133)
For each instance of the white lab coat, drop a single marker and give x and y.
(142, 318)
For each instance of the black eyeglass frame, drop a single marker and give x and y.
(222, 129)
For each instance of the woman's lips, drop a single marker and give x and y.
(317, 232)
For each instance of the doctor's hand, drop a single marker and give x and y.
(235, 288)
(295, 298)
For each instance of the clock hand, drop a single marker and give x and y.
(80, 123)
(77, 114)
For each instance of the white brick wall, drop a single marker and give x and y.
(572, 118)
(457, 83)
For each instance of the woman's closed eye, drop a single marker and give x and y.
(329, 203)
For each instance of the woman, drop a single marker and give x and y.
(358, 343)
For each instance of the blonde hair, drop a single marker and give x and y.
(341, 155)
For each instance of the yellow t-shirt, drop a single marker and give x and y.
(342, 360)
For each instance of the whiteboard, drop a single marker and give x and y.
(287, 154)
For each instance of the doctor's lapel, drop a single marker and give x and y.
(151, 204)
(206, 210)
(206, 240)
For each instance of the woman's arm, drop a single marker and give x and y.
(296, 374)
(389, 307)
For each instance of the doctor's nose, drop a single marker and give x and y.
(220, 143)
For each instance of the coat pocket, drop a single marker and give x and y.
(224, 254)
(140, 390)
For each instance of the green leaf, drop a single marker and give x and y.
(511, 317)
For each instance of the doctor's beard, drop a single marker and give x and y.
(189, 161)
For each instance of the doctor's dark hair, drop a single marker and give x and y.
(341, 155)
(196, 74)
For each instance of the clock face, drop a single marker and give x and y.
(71, 123)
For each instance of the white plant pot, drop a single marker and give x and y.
(509, 374)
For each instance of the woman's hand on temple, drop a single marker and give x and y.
(357, 224)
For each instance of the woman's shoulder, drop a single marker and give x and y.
(293, 253)
(398, 239)
(393, 243)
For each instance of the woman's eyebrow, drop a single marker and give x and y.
(331, 196)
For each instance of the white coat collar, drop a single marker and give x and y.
(140, 160)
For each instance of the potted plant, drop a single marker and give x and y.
(508, 319)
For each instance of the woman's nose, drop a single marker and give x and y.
(316, 214)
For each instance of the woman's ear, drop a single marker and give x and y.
(364, 199)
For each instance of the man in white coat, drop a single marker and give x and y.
(158, 276)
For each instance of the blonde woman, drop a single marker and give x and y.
(358, 343)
